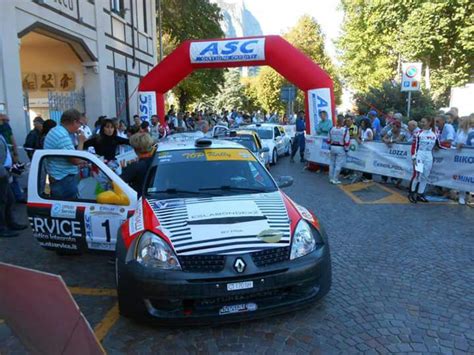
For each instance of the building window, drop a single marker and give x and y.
(118, 7)
(145, 22)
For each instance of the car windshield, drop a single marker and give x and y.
(264, 133)
(207, 172)
(247, 141)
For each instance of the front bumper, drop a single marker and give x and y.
(198, 298)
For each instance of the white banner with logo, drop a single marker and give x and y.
(318, 100)
(241, 50)
(146, 105)
(452, 168)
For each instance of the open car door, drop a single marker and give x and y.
(90, 221)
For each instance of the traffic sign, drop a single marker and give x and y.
(411, 76)
(287, 93)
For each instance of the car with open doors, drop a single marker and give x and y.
(212, 239)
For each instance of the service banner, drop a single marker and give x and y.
(235, 50)
(318, 100)
(452, 168)
(147, 105)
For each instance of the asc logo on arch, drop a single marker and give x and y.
(241, 50)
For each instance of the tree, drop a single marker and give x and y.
(388, 98)
(231, 92)
(378, 35)
(307, 36)
(192, 19)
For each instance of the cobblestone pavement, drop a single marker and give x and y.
(403, 282)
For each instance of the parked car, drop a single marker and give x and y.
(275, 138)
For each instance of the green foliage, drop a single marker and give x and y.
(306, 35)
(231, 92)
(379, 34)
(192, 19)
(388, 98)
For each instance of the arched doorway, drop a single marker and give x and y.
(52, 71)
(273, 51)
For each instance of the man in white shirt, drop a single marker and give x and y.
(86, 131)
(446, 131)
(412, 130)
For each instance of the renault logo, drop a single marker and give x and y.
(239, 265)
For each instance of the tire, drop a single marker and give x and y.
(274, 157)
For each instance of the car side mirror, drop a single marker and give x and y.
(284, 181)
(264, 150)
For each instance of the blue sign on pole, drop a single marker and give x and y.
(288, 93)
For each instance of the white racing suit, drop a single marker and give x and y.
(339, 141)
(422, 155)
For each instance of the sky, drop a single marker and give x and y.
(277, 16)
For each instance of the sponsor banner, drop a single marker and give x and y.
(242, 50)
(318, 100)
(452, 168)
(146, 105)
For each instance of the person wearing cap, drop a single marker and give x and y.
(375, 123)
(395, 135)
(33, 139)
(397, 117)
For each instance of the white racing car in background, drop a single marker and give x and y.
(274, 137)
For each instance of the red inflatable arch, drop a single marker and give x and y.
(273, 51)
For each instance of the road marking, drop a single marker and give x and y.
(394, 198)
(84, 291)
(104, 326)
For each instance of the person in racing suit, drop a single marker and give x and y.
(422, 155)
(299, 139)
(339, 141)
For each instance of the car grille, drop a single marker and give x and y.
(270, 256)
(202, 263)
(255, 296)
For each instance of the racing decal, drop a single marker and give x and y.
(292, 212)
(62, 210)
(228, 154)
(102, 223)
(57, 233)
(136, 223)
(300, 212)
(225, 225)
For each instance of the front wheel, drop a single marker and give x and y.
(274, 157)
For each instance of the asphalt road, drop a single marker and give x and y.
(403, 281)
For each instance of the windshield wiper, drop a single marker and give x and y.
(233, 188)
(178, 191)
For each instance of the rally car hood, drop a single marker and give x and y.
(224, 224)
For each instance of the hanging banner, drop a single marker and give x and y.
(146, 105)
(452, 168)
(236, 50)
(319, 100)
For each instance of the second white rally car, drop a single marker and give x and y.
(275, 138)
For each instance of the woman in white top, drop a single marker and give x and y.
(465, 127)
(365, 134)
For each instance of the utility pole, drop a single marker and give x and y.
(160, 31)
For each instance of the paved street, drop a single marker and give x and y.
(403, 281)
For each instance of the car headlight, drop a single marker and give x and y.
(305, 240)
(152, 251)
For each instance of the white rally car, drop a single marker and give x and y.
(275, 138)
(212, 239)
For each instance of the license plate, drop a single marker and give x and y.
(238, 308)
(239, 285)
